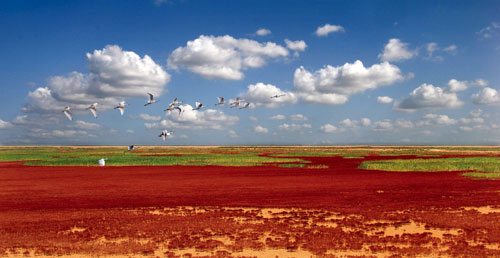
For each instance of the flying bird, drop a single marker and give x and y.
(164, 134)
(121, 107)
(220, 101)
(198, 106)
(247, 104)
(277, 96)
(176, 102)
(67, 113)
(236, 103)
(93, 109)
(151, 100)
(173, 107)
(132, 147)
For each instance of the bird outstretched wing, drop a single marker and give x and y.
(68, 115)
(94, 112)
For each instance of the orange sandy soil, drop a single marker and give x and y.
(183, 211)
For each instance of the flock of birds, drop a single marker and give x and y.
(238, 103)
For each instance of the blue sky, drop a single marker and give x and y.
(350, 72)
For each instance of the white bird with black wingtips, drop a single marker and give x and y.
(151, 100)
(198, 106)
(164, 134)
(247, 104)
(176, 102)
(172, 107)
(68, 113)
(93, 109)
(121, 107)
(236, 103)
(220, 101)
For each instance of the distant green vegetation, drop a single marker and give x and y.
(361, 151)
(483, 175)
(477, 167)
(116, 156)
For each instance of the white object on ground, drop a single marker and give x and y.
(102, 162)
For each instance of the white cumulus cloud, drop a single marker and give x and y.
(349, 123)
(35, 120)
(190, 119)
(487, 96)
(428, 96)
(328, 128)
(383, 125)
(125, 74)
(278, 117)
(298, 117)
(384, 99)
(334, 85)
(298, 45)
(326, 29)
(263, 32)
(260, 129)
(149, 117)
(473, 120)
(260, 94)
(473, 128)
(434, 119)
(434, 51)
(450, 49)
(365, 121)
(293, 127)
(223, 57)
(396, 50)
(114, 74)
(455, 85)
(86, 125)
(58, 134)
(402, 123)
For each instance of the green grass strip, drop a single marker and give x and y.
(61, 156)
(483, 167)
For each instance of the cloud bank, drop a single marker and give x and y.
(334, 85)
(223, 57)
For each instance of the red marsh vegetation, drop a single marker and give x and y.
(336, 210)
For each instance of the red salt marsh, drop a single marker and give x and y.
(264, 211)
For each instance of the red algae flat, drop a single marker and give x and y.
(335, 210)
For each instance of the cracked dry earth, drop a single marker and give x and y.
(266, 211)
